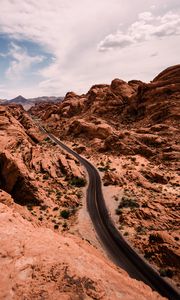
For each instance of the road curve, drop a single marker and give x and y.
(117, 247)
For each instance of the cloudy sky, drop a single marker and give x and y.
(49, 47)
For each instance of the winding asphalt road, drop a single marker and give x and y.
(117, 247)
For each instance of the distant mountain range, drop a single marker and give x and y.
(2, 100)
(28, 103)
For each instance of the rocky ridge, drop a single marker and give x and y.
(34, 171)
(28, 103)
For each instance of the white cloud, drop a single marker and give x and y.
(153, 7)
(21, 61)
(3, 55)
(146, 16)
(118, 40)
(145, 28)
(71, 30)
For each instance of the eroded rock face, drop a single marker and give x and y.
(37, 263)
(157, 102)
(80, 127)
(122, 89)
(15, 180)
(35, 172)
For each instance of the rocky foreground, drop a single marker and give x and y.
(130, 131)
(41, 192)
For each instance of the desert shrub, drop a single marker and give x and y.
(45, 176)
(47, 139)
(148, 254)
(151, 227)
(65, 213)
(133, 158)
(79, 194)
(126, 233)
(78, 181)
(33, 213)
(166, 273)
(43, 207)
(121, 226)
(50, 191)
(140, 229)
(56, 226)
(103, 169)
(128, 202)
(58, 193)
(118, 211)
(64, 225)
(155, 238)
(29, 207)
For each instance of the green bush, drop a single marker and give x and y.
(78, 181)
(47, 139)
(118, 211)
(103, 169)
(166, 273)
(128, 202)
(65, 213)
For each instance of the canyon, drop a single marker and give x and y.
(130, 132)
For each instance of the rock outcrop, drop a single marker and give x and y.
(37, 263)
(35, 172)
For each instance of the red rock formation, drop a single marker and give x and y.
(37, 263)
(136, 126)
(33, 170)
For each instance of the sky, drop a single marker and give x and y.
(50, 47)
